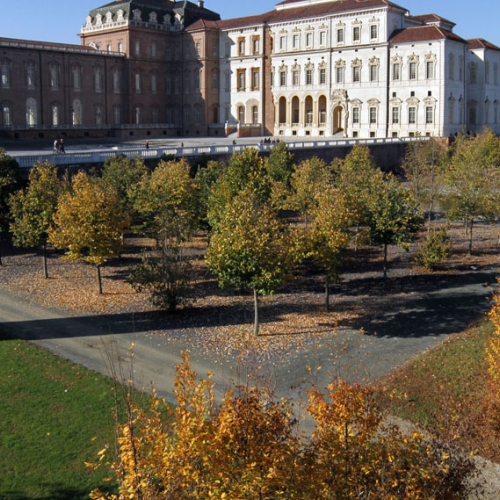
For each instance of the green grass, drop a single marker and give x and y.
(54, 417)
(446, 390)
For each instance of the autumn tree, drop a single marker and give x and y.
(125, 175)
(249, 248)
(166, 200)
(280, 166)
(423, 167)
(33, 209)
(89, 222)
(10, 176)
(472, 179)
(394, 216)
(205, 178)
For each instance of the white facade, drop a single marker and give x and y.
(353, 69)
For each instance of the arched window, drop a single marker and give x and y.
(255, 114)
(31, 113)
(55, 114)
(241, 114)
(6, 114)
(76, 115)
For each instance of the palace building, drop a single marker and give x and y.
(307, 68)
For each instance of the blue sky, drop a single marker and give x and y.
(60, 20)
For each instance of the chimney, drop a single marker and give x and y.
(201, 4)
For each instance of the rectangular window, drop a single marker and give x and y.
(77, 78)
(395, 115)
(322, 38)
(241, 79)
(54, 78)
(309, 77)
(154, 84)
(413, 71)
(412, 115)
(282, 78)
(373, 32)
(30, 76)
(154, 50)
(429, 115)
(373, 73)
(373, 115)
(429, 70)
(356, 74)
(396, 71)
(340, 75)
(255, 45)
(5, 75)
(137, 48)
(322, 76)
(296, 41)
(255, 79)
(356, 34)
(168, 84)
(241, 46)
(295, 77)
(7, 120)
(138, 82)
(355, 115)
(309, 39)
(282, 42)
(340, 35)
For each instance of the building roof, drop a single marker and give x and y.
(302, 12)
(480, 43)
(423, 33)
(432, 18)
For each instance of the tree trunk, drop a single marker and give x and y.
(45, 271)
(327, 294)
(99, 279)
(256, 308)
(470, 236)
(385, 261)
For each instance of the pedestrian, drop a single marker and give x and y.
(61, 145)
(56, 146)
(147, 144)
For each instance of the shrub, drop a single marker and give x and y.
(435, 250)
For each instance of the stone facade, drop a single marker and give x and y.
(307, 68)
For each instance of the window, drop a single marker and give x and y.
(340, 35)
(356, 74)
(429, 70)
(137, 48)
(137, 115)
(241, 114)
(255, 45)
(295, 77)
(98, 79)
(309, 116)
(6, 115)
(196, 78)
(77, 77)
(373, 73)
(296, 41)
(255, 78)
(309, 40)
(154, 83)
(395, 115)
(54, 77)
(241, 46)
(117, 115)
(412, 115)
(120, 47)
(451, 66)
(76, 113)
(355, 115)
(30, 76)
(373, 32)
(282, 42)
(154, 116)
(413, 71)
(282, 78)
(138, 82)
(322, 76)
(429, 115)
(241, 79)
(215, 80)
(31, 112)
(340, 74)
(5, 74)
(322, 38)
(116, 81)
(356, 34)
(98, 114)
(154, 50)
(472, 73)
(198, 49)
(373, 115)
(309, 77)
(255, 115)
(396, 71)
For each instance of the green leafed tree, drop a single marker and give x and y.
(89, 222)
(33, 209)
(472, 179)
(250, 248)
(394, 216)
(10, 176)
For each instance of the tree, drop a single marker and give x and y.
(166, 274)
(473, 180)
(125, 175)
(280, 166)
(250, 248)
(166, 200)
(89, 222)
(33, 209)
(10, 176)
(328, 234)
(423, 167)
(393, 215)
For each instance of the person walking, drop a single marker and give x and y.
(56, 146)
(61, 145)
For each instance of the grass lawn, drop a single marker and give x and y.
(446, 391)
(54, 416)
